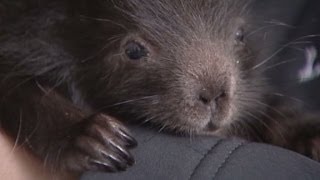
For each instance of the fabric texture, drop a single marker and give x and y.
(163, 156)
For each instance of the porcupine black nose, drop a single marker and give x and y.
(211, 98)
(207, 97)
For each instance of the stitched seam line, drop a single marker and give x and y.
(204, 157)
(227, 158)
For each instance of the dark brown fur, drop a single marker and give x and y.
(65, 75)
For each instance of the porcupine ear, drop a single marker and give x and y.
(86, 7)
(87, 22)
(93, 8)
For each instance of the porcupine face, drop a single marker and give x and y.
(183, 65)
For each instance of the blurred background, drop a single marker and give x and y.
(289, 29)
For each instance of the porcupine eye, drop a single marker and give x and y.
(135, 50)
(239, 35)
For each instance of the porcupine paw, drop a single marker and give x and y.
(103, 146)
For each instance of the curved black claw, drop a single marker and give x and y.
(104, 146)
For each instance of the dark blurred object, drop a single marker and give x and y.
(308, 26)
(298, 29)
